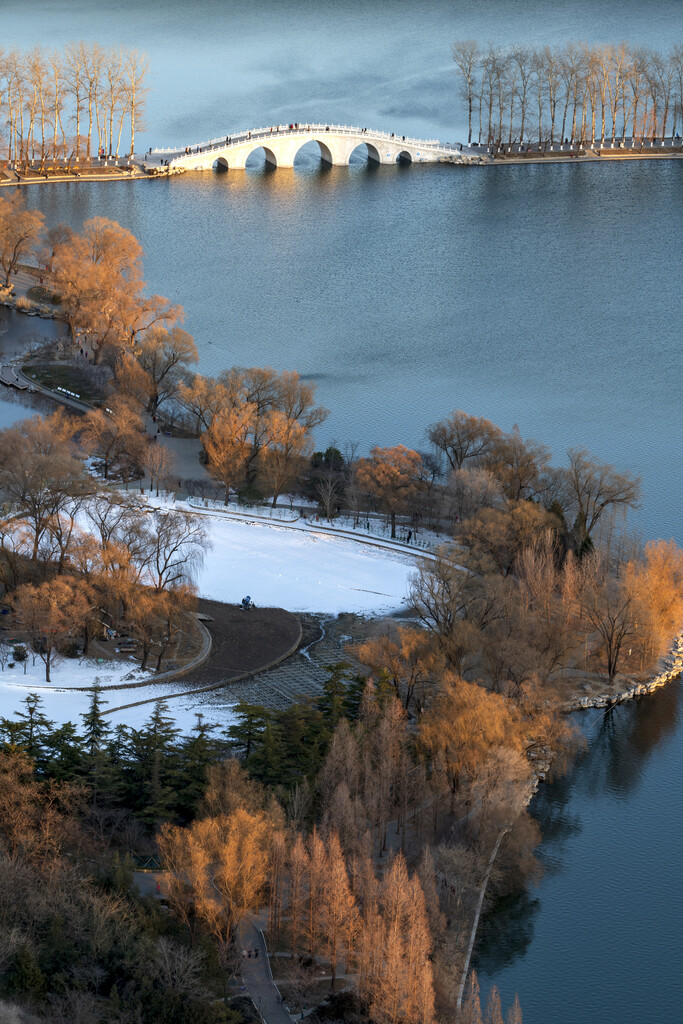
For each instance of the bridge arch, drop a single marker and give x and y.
(270, 155)
(368, 150)
(404, 157)
(309, 148)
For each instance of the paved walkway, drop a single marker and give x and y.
(257, 978)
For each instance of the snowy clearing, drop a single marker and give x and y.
(67, 705)
(278, 566)
(301, 571)
(62, 702)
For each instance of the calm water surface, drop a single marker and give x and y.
(600, 939)
(545, 296)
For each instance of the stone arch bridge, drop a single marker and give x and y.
(281, 143)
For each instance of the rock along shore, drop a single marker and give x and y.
(672, 668)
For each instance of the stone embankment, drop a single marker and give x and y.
(671, 668)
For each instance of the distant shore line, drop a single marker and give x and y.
(558, 158)
(482, 159)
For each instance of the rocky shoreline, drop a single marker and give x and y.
(672, 668)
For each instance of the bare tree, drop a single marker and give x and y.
(20, 231)
(136, 67)
(466, 55)
(594, 488)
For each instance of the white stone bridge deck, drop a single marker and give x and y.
(281, 143)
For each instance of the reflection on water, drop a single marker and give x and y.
(410, 291)
(628, 737)
(611, 895)
(19, 332)
(546, 296)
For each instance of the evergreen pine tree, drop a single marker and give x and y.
(304, 741)
(265, 763)
(95, 728)
(152, 765)
(63, 753)
(335, 690)
(99, 773)
(247, 731)
(195, 754)
(35, 728)
(354, 695)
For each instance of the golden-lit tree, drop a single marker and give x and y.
(114, 435)
(410, 660)
(227, 444)
(288, 444)
(51, 612)
(396, 980)
(391, 476)
(163, 354)
(20, 231)
(463, 725)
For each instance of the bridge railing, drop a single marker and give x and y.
(281, 131)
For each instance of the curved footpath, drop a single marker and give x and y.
(301, 524)
(223, 681)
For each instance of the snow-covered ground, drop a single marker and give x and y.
(62, 702)
(374, 528)
(279, 566)
(299, 570)
(67, 705)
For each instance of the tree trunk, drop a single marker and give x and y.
(475, 924)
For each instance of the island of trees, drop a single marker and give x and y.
(69, 105)
(577, 92)
(369, 827)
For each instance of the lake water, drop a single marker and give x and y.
(599, 940)
(547, 296)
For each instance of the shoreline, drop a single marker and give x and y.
(573, 160)
(471, 159)
(60, 179)
(672, 669)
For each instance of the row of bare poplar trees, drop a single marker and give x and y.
(578, 92)
(68, 104)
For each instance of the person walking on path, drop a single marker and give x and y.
(256, 975)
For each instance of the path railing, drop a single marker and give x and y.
(281, 131)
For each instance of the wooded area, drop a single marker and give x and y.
(578, 92)
(372, 824)
(70, 105)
